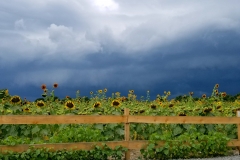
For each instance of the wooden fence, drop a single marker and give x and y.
(126, 119)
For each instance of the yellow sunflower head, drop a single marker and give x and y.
(168, 93)
(99, 91)
(6, 92)
(216, 85)
(40, 104)
(15, 100)
(69, 105)
(91, 92)
(116, 103)
(26, 109)
(97, 105)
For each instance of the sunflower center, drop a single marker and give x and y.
(70, 105)
(15, 100)
(40, 104)
(153, 106)
(115, 103)
(96, 105)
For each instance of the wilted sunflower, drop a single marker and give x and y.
(204, 96)
(40, 104)
(171, 105)
(223, 94)
(44, 86)
(69, 105)
(105, 90)
(55, 85)
(116, 103)
(96, 105)
(15, 100)
(67, 97)
(190, 93)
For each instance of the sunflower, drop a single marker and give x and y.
(26, 110)
(99, 91)
(219, 107)
(216, 85)
(55, 85)
(105, 90)
(91, 92)
(182, 114)
(204, 96)
(168, 93)
(67, 97)
(6, 92)
(223, 94)
(44, 86)
(153, 106)
(131, 91)
(207, 110)
(116, 103)
(40, 104)
(15, 100)
(160, 103)
(216, 91)
(190, 93)
(69, 105)
(170, 105)
(96, 105)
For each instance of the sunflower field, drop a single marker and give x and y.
(218, 104)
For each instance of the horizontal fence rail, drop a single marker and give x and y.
(84, 119)
(106, 119)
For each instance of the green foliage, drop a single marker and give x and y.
(97, 153)
(191, 144)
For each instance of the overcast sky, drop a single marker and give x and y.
(86, 45)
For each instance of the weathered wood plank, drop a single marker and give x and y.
(61, 119)
(183, 120)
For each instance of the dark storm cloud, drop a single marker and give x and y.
(89, 45)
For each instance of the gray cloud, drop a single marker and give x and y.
(155, 45)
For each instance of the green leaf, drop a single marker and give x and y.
(35, 129)
(120, 131)
(99, 126)
(177, 130)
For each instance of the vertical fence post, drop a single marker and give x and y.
(238, 130)
(127, 132)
